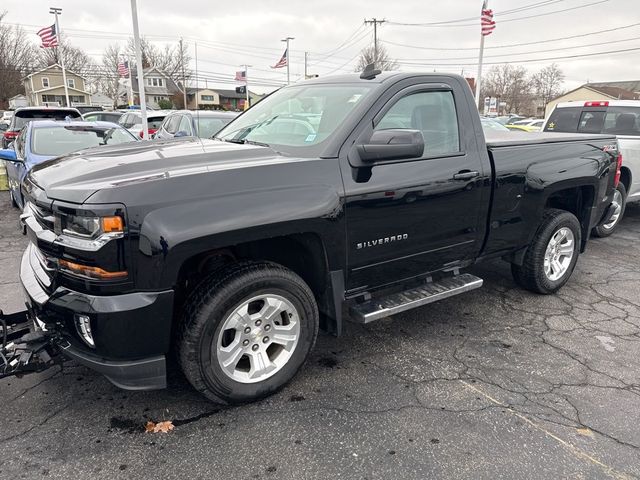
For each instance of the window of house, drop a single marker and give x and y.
(433, 113)
(45, 82)
(207, 98)
(154, 82)
(71, 83)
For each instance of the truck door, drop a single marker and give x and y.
(410, 217)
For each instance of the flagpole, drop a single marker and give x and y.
(141, 95)
(246, 83)
(479, 77)
(55, 12)
(288, 56)
(131, 99)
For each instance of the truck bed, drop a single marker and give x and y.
(497, 139)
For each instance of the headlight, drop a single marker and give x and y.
(91, 227)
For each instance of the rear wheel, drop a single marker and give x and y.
(619, 203)
(552, 255)
(246, 331)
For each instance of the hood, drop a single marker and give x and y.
(74, 178)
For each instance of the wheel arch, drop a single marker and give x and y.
(577, 200)
(303, 253)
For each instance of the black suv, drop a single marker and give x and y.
(24, 115)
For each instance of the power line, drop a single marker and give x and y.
(525, 61)
(475, 24)
(524, 53)
(513, 44)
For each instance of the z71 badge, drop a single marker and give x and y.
(382, 241)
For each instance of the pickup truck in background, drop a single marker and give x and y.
(614, 117)
(375, 190)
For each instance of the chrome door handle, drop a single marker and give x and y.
(465, 175)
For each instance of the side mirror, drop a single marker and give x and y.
(392, 144)
(181, 133)
(9, 155)
(3, 127)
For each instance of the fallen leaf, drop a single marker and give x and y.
(585, 431)
(149, 427)
(164, 427)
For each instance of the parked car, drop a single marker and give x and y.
(102, 116)
(88, 108)
(24, 115)
(6, 117)
(45, 139)
(132, 121)
(185, 123)
(514, 118)
(528, 125)
(489, 124)
(227, 251)
(615, 117)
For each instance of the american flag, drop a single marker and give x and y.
(282, 62)
(241, 76)
(486, 20)
(123, 68)
(48, 37)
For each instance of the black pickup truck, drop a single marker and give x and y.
(373, 191)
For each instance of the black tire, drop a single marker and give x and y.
(213, 301)
(530, 275)
(602, 231)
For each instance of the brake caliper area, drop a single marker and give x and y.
(23, 349)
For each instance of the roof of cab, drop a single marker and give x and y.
(380, 78)
(610, 103)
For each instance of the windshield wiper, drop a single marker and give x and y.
(242, 141)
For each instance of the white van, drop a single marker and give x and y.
(619, 117)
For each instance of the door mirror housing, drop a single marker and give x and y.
(181, 133)
(3, 127)
(392, 144)
(9, 155)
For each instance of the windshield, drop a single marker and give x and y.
(488, 124)
(299, 116)
(615, 120)
(56, 141)
(207, 127)
(25, 116)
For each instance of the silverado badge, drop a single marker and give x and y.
(382, 241)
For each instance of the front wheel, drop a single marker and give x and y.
(552, 255)
(246, 331)
(619, 203)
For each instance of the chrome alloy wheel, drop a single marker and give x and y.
(559, 253)
(258, 338)
(617, 210)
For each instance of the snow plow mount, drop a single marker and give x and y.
(24, 349)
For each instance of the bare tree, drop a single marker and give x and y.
(170, 59)
(547, 83)
(17, 58)
(109, 81)
(383, 62)
(510, 84)
(75, 59)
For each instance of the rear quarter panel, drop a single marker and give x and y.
(526, 176)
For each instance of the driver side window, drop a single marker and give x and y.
(433, 113)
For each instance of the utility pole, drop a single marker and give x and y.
(246, 83)
(287, 40)
(184, 80)
(141, 95)
(375, 23)
(58, 11)
(306, 54)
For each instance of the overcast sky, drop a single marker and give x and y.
(250, 31)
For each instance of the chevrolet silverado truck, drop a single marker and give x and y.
(373, 192)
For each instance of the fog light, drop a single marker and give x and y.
(83, 326)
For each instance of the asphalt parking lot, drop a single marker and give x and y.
(497, 383)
